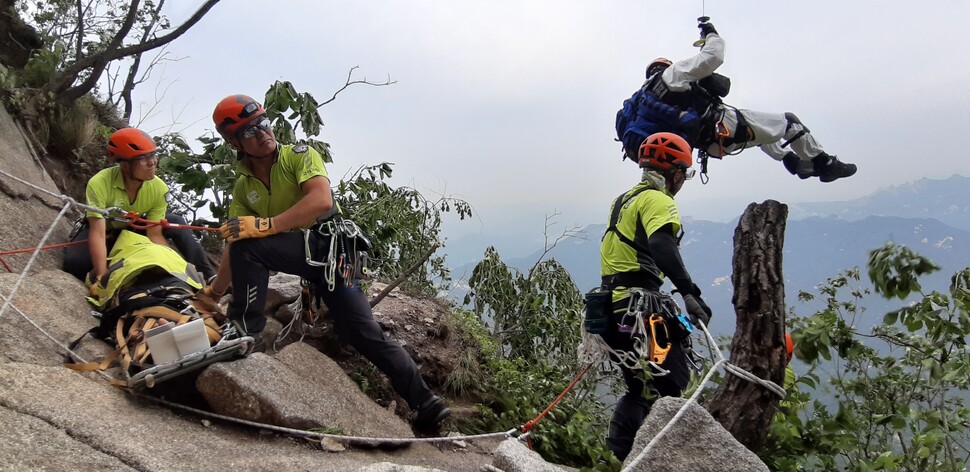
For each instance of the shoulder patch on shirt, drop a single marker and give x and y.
(300, 148)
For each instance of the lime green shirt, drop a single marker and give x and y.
(107, 189)
(296, 164)
(639, 217)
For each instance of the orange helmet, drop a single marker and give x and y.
(658, 65)
(130, 143)
(789, 345)
(663, 151)
(234, 111)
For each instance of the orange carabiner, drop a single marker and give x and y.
(659, 339)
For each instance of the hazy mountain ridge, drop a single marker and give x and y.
(816, 247)
(944, 199)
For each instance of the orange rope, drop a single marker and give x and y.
(531, 424)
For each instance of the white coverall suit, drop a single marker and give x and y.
(770, 130)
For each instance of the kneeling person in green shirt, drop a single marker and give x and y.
(133, 187)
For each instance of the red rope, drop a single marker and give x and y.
(19, 251)
(531, 424)
(137, 222)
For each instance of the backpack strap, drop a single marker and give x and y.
(618, 204)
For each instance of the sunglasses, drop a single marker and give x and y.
(262, 124)
(143, 159)
(689, 174)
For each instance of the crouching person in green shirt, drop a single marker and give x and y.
(280, 191)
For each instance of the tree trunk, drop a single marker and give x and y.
(742, 407)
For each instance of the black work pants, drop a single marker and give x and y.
(633, 407)
(77, 258)
(252, 260)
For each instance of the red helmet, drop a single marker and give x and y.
(130, 143)
(657, 65)
(789, 345)
(234, 111)
(663, 151)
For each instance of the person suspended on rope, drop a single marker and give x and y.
(292, 230)
(132, 186)
(638, 250)
(684, 97)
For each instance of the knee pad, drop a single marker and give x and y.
(792, 119)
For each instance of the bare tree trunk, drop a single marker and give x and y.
(742, 407)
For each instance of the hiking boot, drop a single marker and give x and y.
(830, 168)
(430, 415)
(797, 166)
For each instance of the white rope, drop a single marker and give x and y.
(33, 257)
(61, 197)
(337, 437)
(296, 308)
(727, 367)
(297, 432)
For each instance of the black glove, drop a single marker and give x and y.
(706, 29)
(697, 309)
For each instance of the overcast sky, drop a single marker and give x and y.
(510, 105)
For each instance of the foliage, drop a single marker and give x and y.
(402, 223)
(534, 325)
(901, 389)
(93, 37)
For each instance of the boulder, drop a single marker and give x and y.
(300, 388)
(696, 442)
(513, 456)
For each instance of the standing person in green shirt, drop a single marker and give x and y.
(131, 186)
(283, 191)
(640, 249)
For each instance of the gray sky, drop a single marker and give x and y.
(511, 104)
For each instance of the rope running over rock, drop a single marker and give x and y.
(296, 432)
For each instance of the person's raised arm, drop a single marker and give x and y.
(681, 73)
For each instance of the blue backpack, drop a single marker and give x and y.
(642, 115)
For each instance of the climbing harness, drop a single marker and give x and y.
(340, 248)
(653, 321)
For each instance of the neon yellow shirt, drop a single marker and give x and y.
(106, 189)
(640, 217)
(296, 164)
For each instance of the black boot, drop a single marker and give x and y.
(795, 165)
(430, 415)
(830, 168)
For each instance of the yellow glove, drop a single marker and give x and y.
(92, 281)
(243, 227)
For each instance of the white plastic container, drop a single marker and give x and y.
(190, 337)
(161, 343)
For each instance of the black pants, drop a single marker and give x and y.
(632, 408)
(252, 259)
(77, 258)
